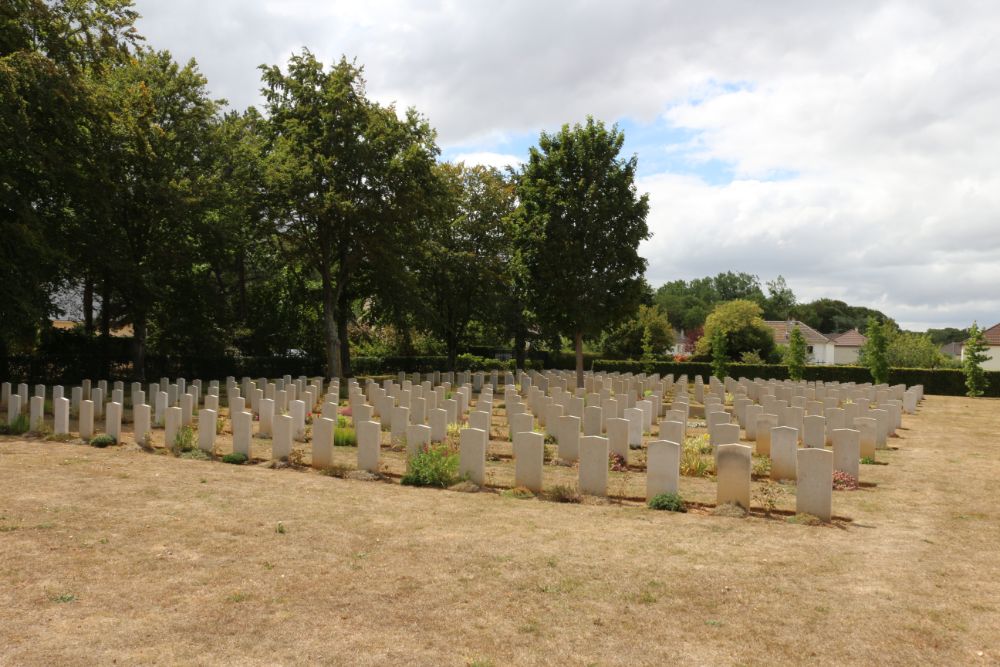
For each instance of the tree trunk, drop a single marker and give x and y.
(332, 347)
(343, 319)
(105, 327)
(88, 305)
(519, 347)
(451, 340)
(139, 347)
(579, 358)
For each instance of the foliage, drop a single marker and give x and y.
(563, 493)
(752, 358)
(183, 441)
(743, 328)
(581, 222)
(874, 353)
(761, 466)
(436, 465)
(795, 356)
(767, 495)
(913, 350)
(843, 481)
(617, 463)
(647, 334)
(103, 440)
(694, 463)
(236, 458)
(720, 355)
(18, 426)
(972, 359)
(345, 437)
(868, 460)
(831, 315)
(671, 502)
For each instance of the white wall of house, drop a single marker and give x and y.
(993, 363)
(846, 354)
(822, 354)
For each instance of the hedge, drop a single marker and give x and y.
(939, 381)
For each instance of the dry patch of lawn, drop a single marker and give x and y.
(117, 555)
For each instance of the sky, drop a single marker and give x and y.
(851, 147)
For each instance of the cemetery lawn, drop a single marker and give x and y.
(119, 555)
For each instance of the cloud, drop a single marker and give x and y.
(850, 147)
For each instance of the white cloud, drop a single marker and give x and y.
(879, 118)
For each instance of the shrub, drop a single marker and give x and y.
(434, 466)
(868, 460)
(236, 458)
(671, 502)
(345, 437)
(563, 493)
(761, 466)
(342, 422)
(693, 463)
(103, 440)
(195, 454)
(843, 481)
(183, 441)
(19, 426)
(618, 463)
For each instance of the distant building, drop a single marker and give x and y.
(847, 346)
(819, 348)
(952, 350)
(992, 336)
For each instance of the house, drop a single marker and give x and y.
(847, 346)
(952, 350)
(819, 348)
(992, 336)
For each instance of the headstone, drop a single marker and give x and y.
(281, 441)
(242, 432)
(36, 413)
(672, 431)
(472, 455)
(520, 423)
(784, 443)
(206, 429)
(847, 451)
(418, 438)
(369, 445)
(171, 426)
(297, 411)
(635, 418)
(529, 460)
(267, 407)
(724, 434)
(867, 429)
(618, 432)
(594, 465)
(814, 431)
(60, 408)
(814, 488)
(568, 438)
(750, 415)
(733, 475)
(765, 423)
(593, 420)
(322, 442)
(113, 421)
(400, 420)
(662, 467)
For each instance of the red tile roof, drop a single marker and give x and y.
(781, 330)
(993, 335)
(852, 338)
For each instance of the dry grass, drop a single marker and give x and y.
(118, 555)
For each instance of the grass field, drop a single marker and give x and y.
(120, 556)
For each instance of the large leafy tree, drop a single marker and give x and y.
(584, 221)
(47, 110)
(461, 254)
(741, 325)
(348, 179)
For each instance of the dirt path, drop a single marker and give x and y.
(119, 556)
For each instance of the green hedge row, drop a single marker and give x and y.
(939, 381)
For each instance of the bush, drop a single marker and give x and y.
(618, 463)
(345, 437)
(236, 458)
(843, 481)
(183, 441)
(694, 463)
(103, 440)
(671, 502)
(563, 493)
(434, 466)
(19, 426)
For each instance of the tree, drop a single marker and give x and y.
(461, 252)
(973, 357)
(647, 334)
(780, 300)
(743, 328)
(349, 180)
(795, 356)
(46, 112)
(874, 353)
(912, 350)
(583, 221)
(720, 354)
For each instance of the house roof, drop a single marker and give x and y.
(852, 338)
(782, 329)
(993, 335)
